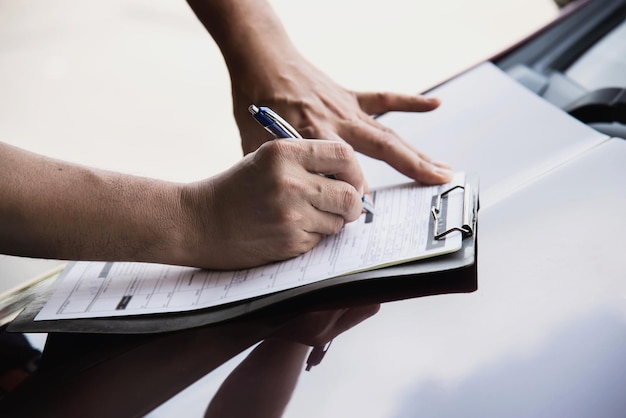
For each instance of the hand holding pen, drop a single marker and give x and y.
(280, 128)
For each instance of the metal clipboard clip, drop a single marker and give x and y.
(469, 213)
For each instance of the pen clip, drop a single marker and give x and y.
(280, 121)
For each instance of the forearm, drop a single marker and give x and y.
(53, 209)
(244, 217)
(251, 38)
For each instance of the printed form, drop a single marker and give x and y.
(401, 230)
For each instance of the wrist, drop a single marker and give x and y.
(192, 239)
(156, 224)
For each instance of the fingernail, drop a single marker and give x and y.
(443, 172)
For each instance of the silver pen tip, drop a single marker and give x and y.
(367, 205)
(253, 109)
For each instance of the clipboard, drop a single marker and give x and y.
(450, 273)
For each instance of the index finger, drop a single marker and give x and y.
(334, 158)
(380, 142)
(382, 102)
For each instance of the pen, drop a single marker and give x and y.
(273, 123)
(280, 128)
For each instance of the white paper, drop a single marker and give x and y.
(400, 231)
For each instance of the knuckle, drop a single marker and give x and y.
(313, 129)
(349, 201)
(382, 98)
(275, 151)
(292, 189)
(282, 188)
(291, 219)
(297, 243)
(343, 151)
(385, 143)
